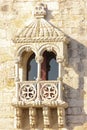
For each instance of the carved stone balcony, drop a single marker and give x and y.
(39, 94)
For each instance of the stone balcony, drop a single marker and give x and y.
(39, 94)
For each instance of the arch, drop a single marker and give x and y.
(49, 67)
(22, 55)
(50, 48)
(26, 48)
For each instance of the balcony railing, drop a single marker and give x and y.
(39, 93)
(38, 90)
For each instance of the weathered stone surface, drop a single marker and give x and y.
(71, 18)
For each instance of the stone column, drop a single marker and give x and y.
(60, 86)
(46, 117)
(61, 117)
(17, 77)
(39, 60)
(18, 118)
(17, 69)
(32, 117)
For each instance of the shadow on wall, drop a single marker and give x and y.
(74, 86)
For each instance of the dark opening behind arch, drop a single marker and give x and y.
(49, 68)
(31, 68)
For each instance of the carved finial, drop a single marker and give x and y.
(40, 10)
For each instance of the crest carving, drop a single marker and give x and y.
(40, 10)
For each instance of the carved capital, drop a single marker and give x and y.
(59, 59)
(39, 59)
(17, 60)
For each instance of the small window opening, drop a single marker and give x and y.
(31, 68)
(49, 68)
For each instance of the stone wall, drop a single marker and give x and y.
(71, 18)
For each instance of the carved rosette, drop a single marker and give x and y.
(48, 91)
(27, 92)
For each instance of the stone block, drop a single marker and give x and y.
(74, 111)
(6, 123)
(75, 119)
(74, 103)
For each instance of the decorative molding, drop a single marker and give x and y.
(49, 39)
(51, 104)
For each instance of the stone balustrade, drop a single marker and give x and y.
(38, 94)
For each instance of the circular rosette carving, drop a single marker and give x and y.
(27, 92)
(49, 91)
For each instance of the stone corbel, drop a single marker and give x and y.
(46, 117)
(61, 117)
(18, 118)
(32, 117)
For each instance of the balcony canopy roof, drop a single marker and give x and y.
(40, 30)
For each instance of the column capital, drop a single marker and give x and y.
(17, 60)
(39, 59)
(59, 59)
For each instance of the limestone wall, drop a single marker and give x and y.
(71, 17)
